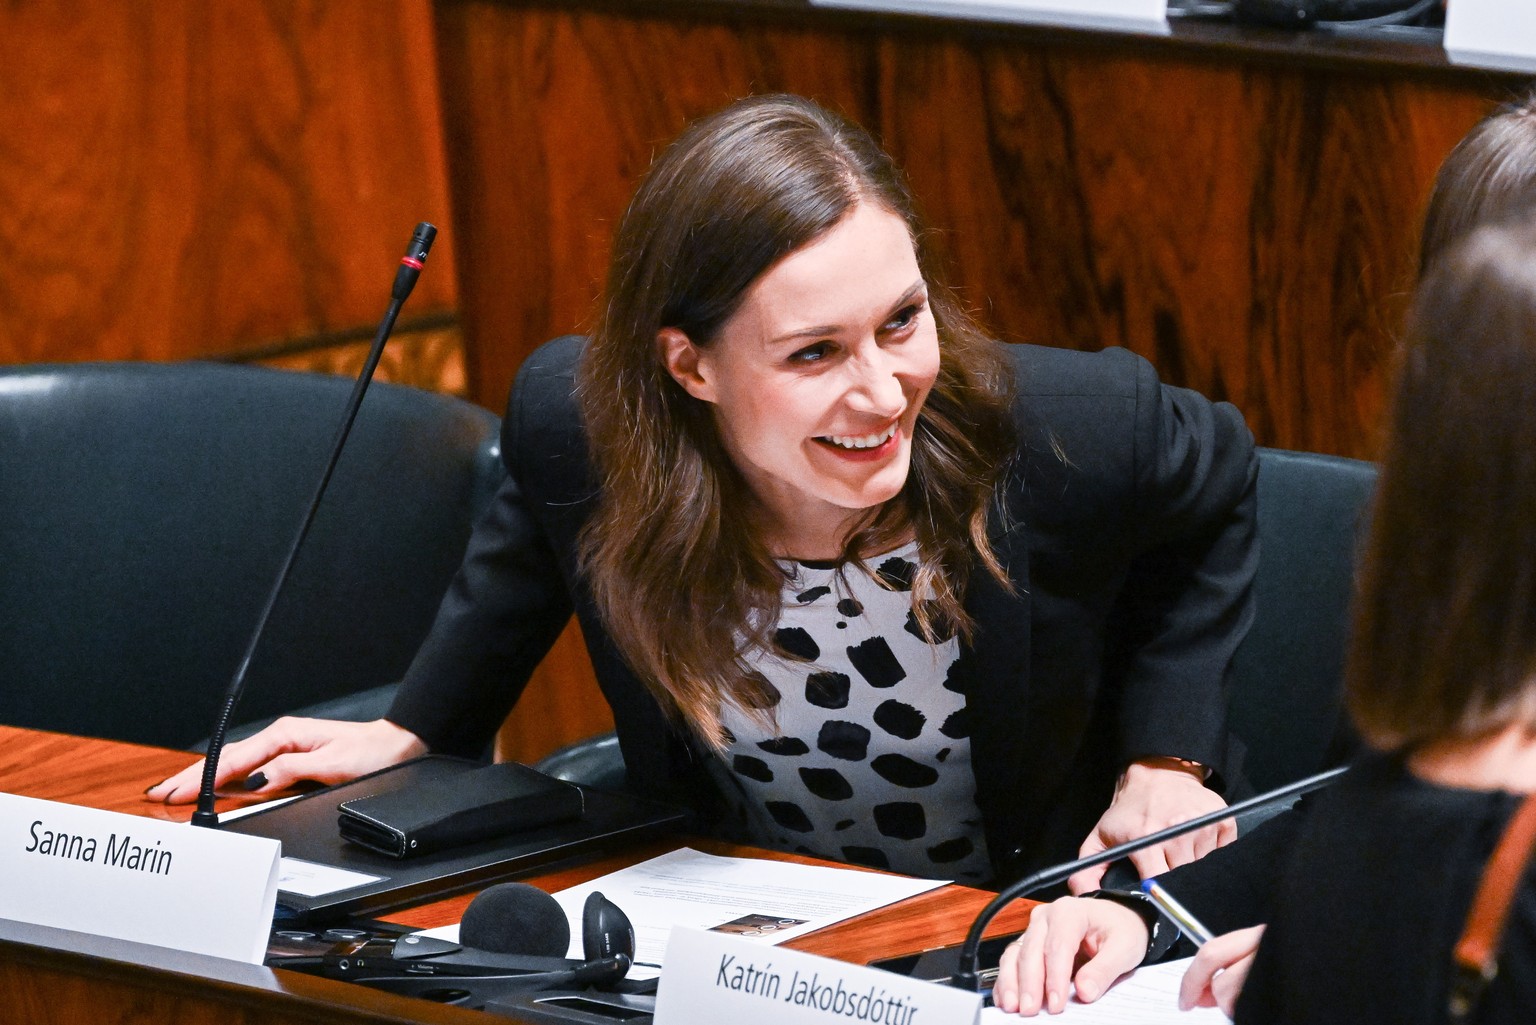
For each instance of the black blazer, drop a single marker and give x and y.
(1131, 548)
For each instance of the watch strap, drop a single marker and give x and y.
(1161, 933)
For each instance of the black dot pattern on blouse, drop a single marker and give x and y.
(871, 762)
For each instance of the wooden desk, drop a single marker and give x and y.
(49, 976)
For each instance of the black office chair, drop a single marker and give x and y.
(145, 510)
(595, 761)
(1287, 704)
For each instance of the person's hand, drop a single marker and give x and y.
(1072, 940)
(1153, 794)
(1216, 976)
(293, 749)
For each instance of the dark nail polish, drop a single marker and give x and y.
(255, 781)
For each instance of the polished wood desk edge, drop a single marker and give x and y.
(1417, 52)
(233, 983)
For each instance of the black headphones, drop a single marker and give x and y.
(513, 939)
(1340, 13)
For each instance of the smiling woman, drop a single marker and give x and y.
(855, 578)
(771, 260)
(818, 420)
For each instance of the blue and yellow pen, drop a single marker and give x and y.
(1188, 924)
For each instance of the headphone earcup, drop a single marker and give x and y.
(605, 929)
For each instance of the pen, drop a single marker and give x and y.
(1188, 924)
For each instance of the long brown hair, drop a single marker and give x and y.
(1444, 642)
(1488, 176)
(682, 582)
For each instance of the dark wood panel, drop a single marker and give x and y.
(429, 358)
(196, 176)
(1250, 227)
(561, 704)
(552, 116)
(1250, 231)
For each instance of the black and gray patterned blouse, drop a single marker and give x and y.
(872, 761)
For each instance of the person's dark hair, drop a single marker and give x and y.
(1489, 176)
(681, 580)
(1444, 641)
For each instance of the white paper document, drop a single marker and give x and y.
(1148, 996)
(766, 901)
(310, 879)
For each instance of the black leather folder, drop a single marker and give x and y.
(309, 831)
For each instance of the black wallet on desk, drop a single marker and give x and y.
(491, 801)
(373, 882)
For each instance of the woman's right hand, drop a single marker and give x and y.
(1077, 941)
(293, 749)
(1215, 977)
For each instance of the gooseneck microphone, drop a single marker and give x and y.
(405, 280)
(969, 977)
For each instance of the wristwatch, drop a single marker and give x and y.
(1203, 772)
(1161, 934)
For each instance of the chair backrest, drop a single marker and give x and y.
(145, 510)
(1287, 677)
(595, 761)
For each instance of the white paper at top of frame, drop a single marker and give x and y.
(1133, 15)
(1492, 33)
(134, 878)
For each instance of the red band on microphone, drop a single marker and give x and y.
(411, 262)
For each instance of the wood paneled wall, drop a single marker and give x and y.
(1249, 230)
(1249, 227)
(194, 177)
(207, 177)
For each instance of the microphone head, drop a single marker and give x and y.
(421, 240)
(411, 263)
(515, 918)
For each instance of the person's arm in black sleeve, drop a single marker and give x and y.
(1185, 606)
(506, 606)
(1188, 598)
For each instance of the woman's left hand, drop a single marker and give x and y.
(1216, 976)
(1153, 794)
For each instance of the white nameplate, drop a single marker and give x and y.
(139, 879)
(1492, 33)
(717, 977)
(1136, 15)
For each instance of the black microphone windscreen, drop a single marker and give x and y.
(516, 918)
